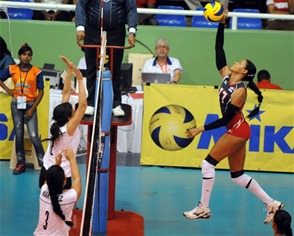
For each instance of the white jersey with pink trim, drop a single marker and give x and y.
(49, 222)
(64, 141)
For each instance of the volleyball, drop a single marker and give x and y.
(213, 11)
(168, 126)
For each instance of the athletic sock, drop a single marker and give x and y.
(255, 188)
(208, 173)
(251, 184)
(207, 185)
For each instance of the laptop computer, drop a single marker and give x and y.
(157, 78)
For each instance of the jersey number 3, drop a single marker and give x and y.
(46, 221)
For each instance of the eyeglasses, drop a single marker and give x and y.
(162, 47)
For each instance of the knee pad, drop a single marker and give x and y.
(208, 170)
(243, 180)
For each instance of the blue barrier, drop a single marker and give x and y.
(100, 213)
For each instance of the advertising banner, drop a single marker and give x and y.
(169, 110)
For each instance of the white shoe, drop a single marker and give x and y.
(118, 111)
(199, 212)
(271, 210)
(89, 111)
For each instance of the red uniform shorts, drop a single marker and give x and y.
(240, 129)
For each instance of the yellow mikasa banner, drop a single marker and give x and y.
(7, 132)
(169, 110)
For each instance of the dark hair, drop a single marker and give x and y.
(282, 219)
(61, 113)
(55, 178)
(3, 48)
(24, 48)
(263, 75)
(250, 67)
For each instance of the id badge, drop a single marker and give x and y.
(21, 102)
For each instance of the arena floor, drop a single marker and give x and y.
(160, 195)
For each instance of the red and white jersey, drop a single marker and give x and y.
(281, 5)
(64, 141)
(49, 222)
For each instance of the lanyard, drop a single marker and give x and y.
(163, 68)
(22, 83)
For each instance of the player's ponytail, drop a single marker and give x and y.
(61, 115)
(251, 70)
(55, 179)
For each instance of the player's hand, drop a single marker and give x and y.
(191, 133)
(77, 73)
(58, 158)
(223, 20)
(69, 154)
(66, 61)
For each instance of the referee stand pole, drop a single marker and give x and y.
(102, 180)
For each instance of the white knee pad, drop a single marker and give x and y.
(208, 170)
(242, 180)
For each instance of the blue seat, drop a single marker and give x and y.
(171, 20)
(201, 22)
(247, 23)
(20, 13)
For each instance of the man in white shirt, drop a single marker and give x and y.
(285, 7)
(162, 63)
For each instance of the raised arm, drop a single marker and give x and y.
(78, 115)
(220, 56)
(76, 176)
(67, 82)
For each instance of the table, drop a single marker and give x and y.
(129, 137)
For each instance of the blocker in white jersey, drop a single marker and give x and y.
(49, 222)
(56, 202)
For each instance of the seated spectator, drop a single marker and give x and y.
(285, 7)
(193, 4)
(282, 223)
(264, 81)
(5, 55)
(162, 63)
(259, 5)
(52, 15)
(146, 19)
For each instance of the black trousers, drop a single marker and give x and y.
(115, 37)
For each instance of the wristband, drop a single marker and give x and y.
(132, 30)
